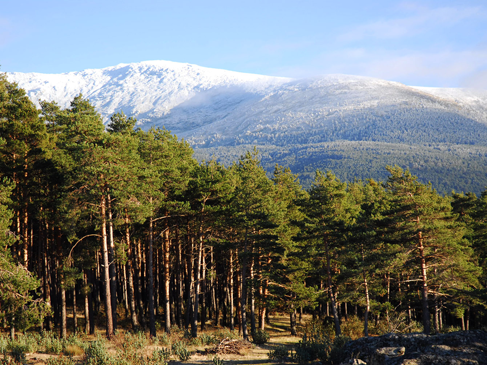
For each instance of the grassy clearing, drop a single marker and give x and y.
(128, 348)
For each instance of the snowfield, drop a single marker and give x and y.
(211, 107)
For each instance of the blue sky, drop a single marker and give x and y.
(422, 43)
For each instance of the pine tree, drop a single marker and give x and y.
(422, 223)
(17, 284)
(327, 210)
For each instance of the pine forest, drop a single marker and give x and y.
(112, 225)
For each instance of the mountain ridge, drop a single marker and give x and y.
(219, 110)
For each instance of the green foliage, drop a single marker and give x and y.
(180, 350)
(206, 339)
(163, 339)
(51, 343)
(160, 357)
(315, 344)
(96, 354)
(16, 283)
(260, 337)
(18, 351)
(280, 353)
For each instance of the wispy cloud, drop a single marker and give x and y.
(423, 19)
(444, 68)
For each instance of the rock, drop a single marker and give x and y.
(391, 351)
(419, 349)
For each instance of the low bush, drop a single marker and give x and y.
(180, 350)
(160, 357)
(260, 337)
(96, 354)
(281, 354)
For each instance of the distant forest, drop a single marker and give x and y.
(449, 167)
(121, 223)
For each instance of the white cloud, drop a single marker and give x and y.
(476, 80)
(445, 68)
(422, 20)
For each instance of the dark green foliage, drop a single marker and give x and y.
(448, 166)
(280, 353)
(315, 345)
(260, 337)
(171, 231)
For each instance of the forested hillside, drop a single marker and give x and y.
(352, 125)
(124, 223)
(449, 167)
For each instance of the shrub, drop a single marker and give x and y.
(77, 340)
(50, 343)
(96, 354)
(163, 340)
(28, 342)
(315, 344)
(180, 350)
(160, 357)
(335, 356)
(227, 333)
(281, 353)
(17, 351)
(353, 327)
(4, 341)
(260, 337)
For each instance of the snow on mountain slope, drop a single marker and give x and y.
(333, 107)
(146, 90)
(211, 107)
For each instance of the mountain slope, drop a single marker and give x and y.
(222, 112)
(147, 90)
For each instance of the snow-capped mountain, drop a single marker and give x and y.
(148, 90)
(323, 122)
(210, 107)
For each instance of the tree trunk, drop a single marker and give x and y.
(338, 331)
(367, 298)
(113, 266)
(292, 320)
(130, 278)
(87, 303)
(150, 289)
(63, 312)
(203, 291)
(243, 283)
(167, 280)
(230, 292)
(75, 317)
(179, 283)
(194, 325)
(106, 270)
(424, 287)
(252, 299)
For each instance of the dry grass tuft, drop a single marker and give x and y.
(73, 350)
